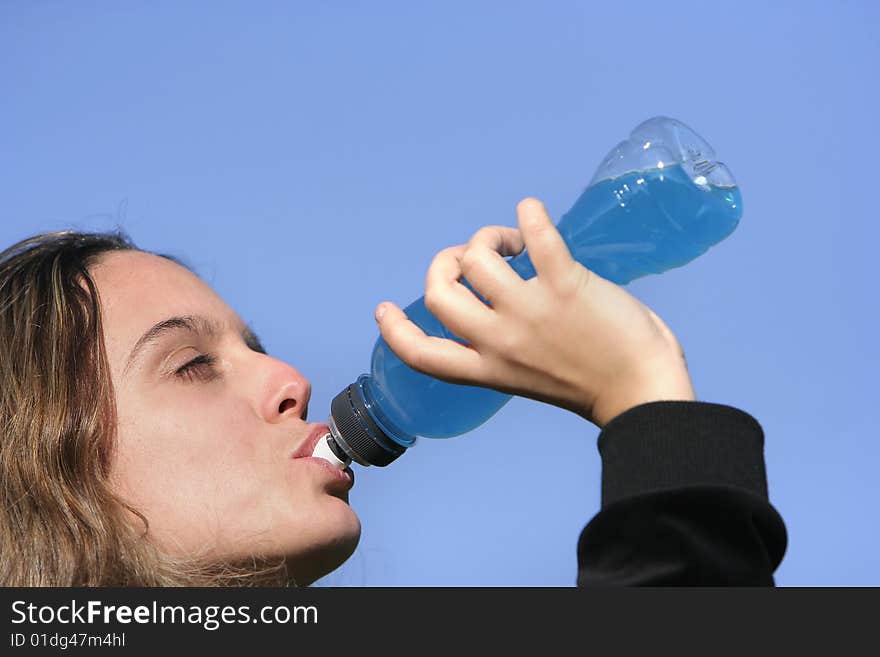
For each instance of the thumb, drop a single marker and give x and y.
(547, 249)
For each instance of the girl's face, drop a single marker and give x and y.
(209, 425)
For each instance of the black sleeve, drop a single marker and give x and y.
(684, 501)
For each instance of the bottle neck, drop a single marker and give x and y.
(365, 386)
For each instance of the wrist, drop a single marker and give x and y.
(661, 384)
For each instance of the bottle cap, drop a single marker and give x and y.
(324, 451)
(355, 432)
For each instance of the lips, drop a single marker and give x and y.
(307, 446)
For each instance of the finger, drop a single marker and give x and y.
(484, 267)
(504, 240)
(450, 301)
(547, 249)
(437, 357)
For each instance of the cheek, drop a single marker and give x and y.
(209, 472)
(189, 464)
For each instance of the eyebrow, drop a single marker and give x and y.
(197, 324)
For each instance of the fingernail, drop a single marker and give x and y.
(380, 311)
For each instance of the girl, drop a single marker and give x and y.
(148, 439)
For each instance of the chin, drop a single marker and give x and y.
(327, 550)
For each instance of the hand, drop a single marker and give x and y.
(566, 337)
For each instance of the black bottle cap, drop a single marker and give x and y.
(365, 442)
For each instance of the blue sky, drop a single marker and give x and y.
(310, 158)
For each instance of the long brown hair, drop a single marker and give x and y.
(60, 522)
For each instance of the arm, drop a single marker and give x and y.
(684, 490)
(684, 501)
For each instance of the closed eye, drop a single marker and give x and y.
(201, 367)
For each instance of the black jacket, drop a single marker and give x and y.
(684, 501)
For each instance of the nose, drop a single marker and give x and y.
(285, 394)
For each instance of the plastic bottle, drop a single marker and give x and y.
(657, 201)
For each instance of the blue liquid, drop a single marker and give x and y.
(623, 228)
